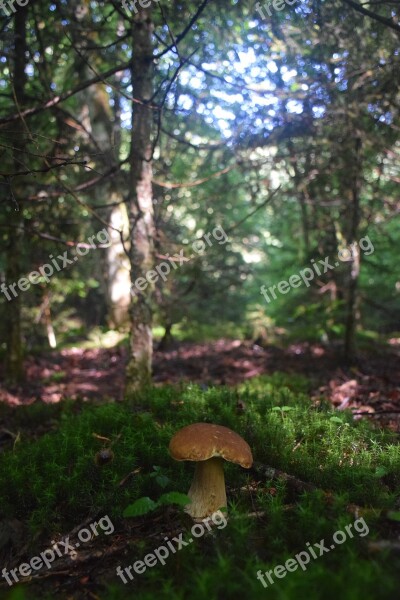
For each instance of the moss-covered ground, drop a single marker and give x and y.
(51, 484)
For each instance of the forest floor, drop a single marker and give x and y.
(313, 471)
(371, 388)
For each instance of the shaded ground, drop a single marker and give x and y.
(373, 386)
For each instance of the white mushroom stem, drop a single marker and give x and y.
(207, 492)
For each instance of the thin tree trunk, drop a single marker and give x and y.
(45, 316)
(354, 264)
(14, 367)
(166, 338)
(298, 179)
(117, 263)
(140, 202)
(116, 267)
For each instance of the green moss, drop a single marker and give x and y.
(53, 484)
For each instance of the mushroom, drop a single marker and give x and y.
(208, 444)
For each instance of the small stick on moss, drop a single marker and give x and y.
(293, 482)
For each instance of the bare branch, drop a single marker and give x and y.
(44, 169)
(193, 183)
(184, 33)
(375, 16)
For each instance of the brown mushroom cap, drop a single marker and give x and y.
(202, 441)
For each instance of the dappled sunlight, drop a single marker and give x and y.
(97, 374)
(199, 235)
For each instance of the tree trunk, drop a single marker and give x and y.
(117, 263)
(140, 202)
(302, 196)
(166, 339)
(117, 275)
(102, 124)
(14, 367)
(354, 264)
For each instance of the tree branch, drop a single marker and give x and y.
(372, 15)
(57, 99)
(44, 169)
(184, 33)
(251, 213)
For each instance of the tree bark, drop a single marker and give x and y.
(14, 366)
(140, 202)
(354, 264)
(298, 180)
(117, 268)
(102, 125)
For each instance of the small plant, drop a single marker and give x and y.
(142, 506)
(282, 410)
(158, 475)
(336, 420)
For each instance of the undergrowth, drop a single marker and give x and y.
(53, 484)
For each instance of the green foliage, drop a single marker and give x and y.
(222, 151)
(174, 498)
(140, 507)
(160, 477)
(144, 505)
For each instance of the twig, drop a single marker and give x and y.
(377, 412)
(381, 545)
(183, 33)
(252, 212)
(45, 169)
(372, 15)
(194, 183)
(271, 473)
